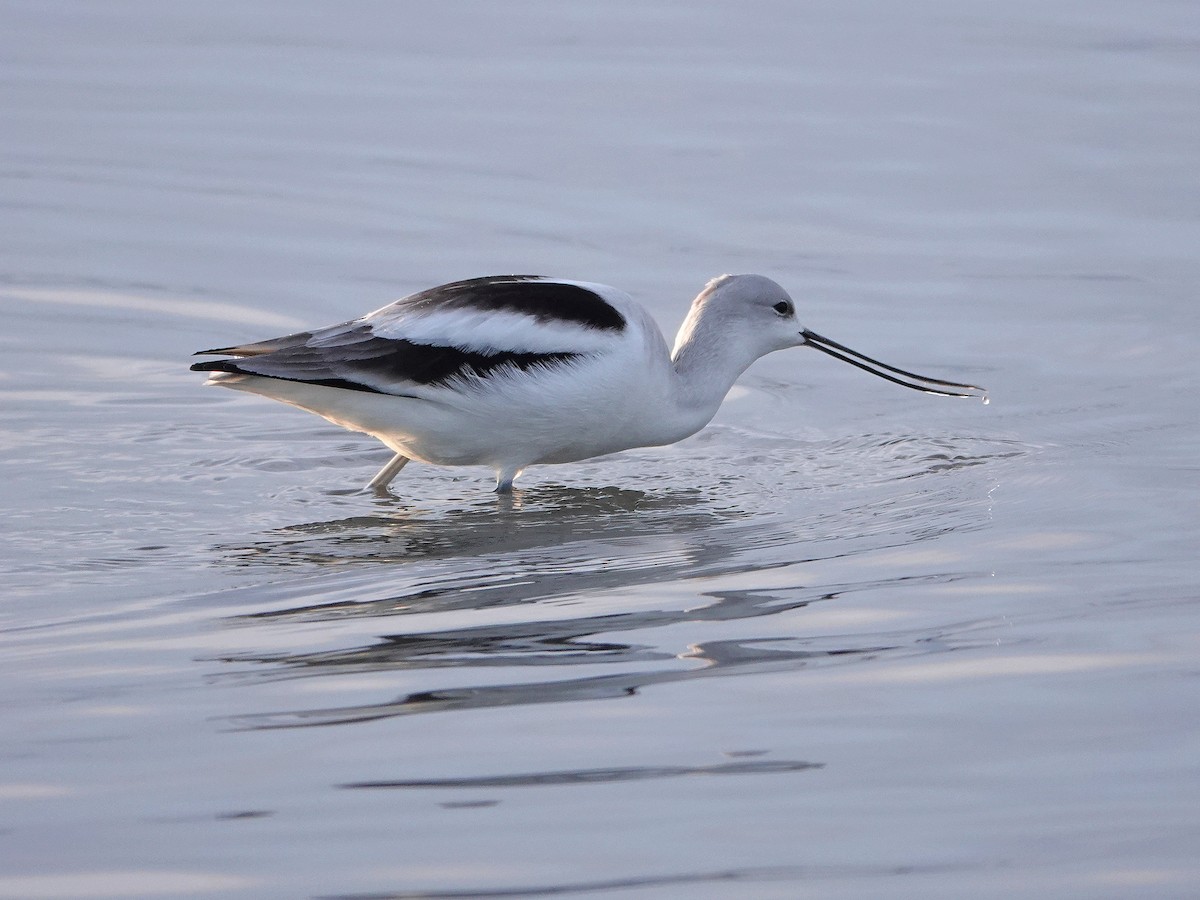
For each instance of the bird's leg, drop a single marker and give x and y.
(504, 480)
(387, 473)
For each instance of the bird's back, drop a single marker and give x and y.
(473, 371)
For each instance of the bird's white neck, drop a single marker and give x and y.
(706, 363)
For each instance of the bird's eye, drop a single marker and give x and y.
(783, 308)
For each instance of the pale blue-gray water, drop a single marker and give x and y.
(849, 641)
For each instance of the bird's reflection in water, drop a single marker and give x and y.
(561, 544)
(462, 529)
(630, 564)
(572, 642)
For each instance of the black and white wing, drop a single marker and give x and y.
(466, 329)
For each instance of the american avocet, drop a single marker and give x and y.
(517, 370)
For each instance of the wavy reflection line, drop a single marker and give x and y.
(719, 657)
(552, 642)
(595, 776)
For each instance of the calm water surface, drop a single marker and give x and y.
(850, 641)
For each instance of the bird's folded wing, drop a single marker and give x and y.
(463, 330)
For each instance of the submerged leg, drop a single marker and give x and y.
(388, 472)
(504, 480)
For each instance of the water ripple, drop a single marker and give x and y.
(743, 876)
(596, 776)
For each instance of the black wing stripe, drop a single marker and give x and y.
(529, 295)
(362, 365)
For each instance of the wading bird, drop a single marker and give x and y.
(519, 370)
